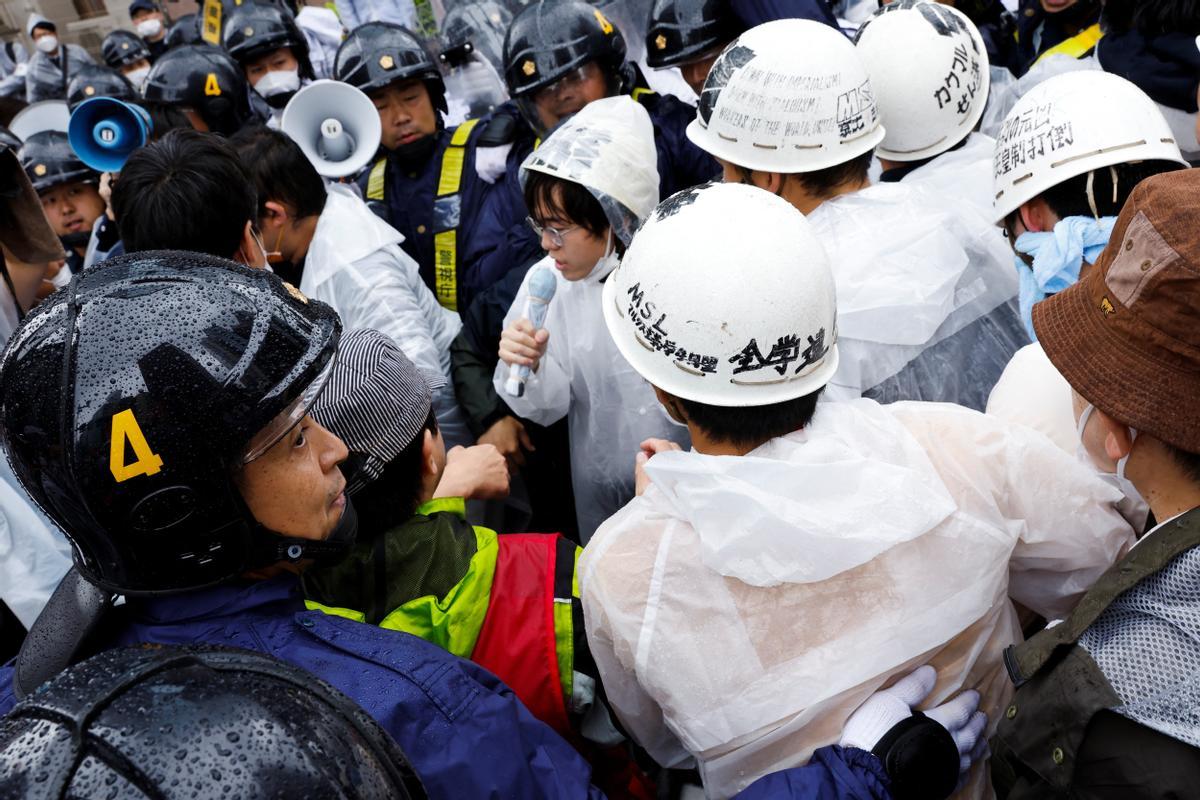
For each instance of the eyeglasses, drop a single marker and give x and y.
(556, 235)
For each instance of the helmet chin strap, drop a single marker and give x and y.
(271, 548)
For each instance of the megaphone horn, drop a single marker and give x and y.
(336, 126)
(104, 131)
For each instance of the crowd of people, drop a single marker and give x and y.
(629, 399)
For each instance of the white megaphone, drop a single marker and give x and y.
(47, 115)
(336, 126)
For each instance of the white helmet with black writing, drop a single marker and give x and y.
(726, 297)
(1070, 125)
(929, 68)
(788, 96)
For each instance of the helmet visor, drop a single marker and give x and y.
(287, 419)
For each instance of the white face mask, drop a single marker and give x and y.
(1117, 479)
(278, 82)
(148, 28)
(138, 77)
(47, 44)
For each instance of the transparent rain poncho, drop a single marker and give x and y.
(743, 607)
(608, 147)
(926, 296)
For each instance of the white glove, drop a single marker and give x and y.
(492, 162)
(886, 708)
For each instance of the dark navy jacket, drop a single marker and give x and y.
(488, 217)
(465, 732)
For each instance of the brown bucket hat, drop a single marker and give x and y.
(1127, 335)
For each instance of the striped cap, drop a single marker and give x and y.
(376, 401)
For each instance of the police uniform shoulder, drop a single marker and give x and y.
(500, 129)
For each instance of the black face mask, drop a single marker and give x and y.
(416, 153)
(279, 100)
(74, 241)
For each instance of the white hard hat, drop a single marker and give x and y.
(726, 297)
(608, 148)
(1070, 125)
(929, 68)
(788, 96)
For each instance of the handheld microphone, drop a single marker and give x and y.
(542, 285)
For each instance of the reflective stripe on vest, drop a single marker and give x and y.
(447, 206)
(1077, 46)
(446, 209)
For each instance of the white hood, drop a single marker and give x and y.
(807, 506)
(35, 20)
(321, 21)
(347, 231)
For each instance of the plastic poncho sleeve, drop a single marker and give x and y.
(381, 291)
(547, 395)
(834, 773)
(1068, 528)
(617, 657)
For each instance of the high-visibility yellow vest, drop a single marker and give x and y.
(1077, 46)
(445, 241)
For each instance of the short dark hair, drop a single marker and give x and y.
(571, 203)
(1152, 17)
(751, 425)
(187, 191)
(1070, 198)
(393, 497)
(823, 182)
(1189, 462)
(280, 171)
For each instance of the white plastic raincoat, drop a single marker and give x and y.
(925, 292)
(608, 148)
(964, 174)
(355, 264)
(743, 607)
(47, 77)
(323, 32)
(34, 555)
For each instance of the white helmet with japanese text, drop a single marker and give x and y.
(1070, 125)
(726, 297)
(929, 69)
(788, 96)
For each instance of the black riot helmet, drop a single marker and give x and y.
(49, 161)
(254, 30)
(378, 54)
(123, 47)
(9, 140)
(481, 24)
(549, 40)
(684, 30)
(202, 723)
(129, 399)
(185, 30)
(94, 81)
(203, 78)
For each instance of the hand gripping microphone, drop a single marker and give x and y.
(542, 285)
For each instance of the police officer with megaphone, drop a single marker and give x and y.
(463, 232)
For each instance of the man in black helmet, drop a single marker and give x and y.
(157, 410)
(97, 81)
(249, 724)
(126, 52)
(68, 188)
(202, 84)
(463, 231)
(561, 56)
(271, 50)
